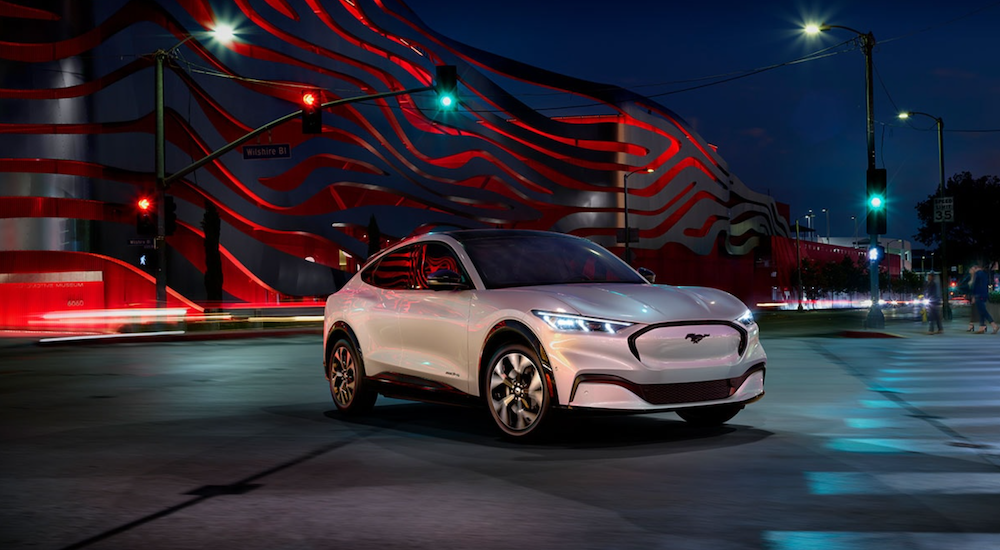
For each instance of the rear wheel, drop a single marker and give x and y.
(709, 417)
(515, 390)
(350, 391)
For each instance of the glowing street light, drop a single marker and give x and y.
(224, 33)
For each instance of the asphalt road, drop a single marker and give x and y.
(859, 443)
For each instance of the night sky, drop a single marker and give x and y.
(796, 132)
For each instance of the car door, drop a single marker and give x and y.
(434, 324)
(376, 309)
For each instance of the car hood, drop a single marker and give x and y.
(644, 303)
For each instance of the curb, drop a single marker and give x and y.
(866, 334)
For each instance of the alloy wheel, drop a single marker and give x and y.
(517, 391)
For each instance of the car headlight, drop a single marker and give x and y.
(565, 322)
(746, 319)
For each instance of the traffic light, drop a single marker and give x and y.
(312, 115)
(446, 86)
(145, 217)
(876, 201)
(170, 209)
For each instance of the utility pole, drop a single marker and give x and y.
(161, 189)
(875, 317)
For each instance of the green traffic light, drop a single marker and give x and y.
(446, 101)
(875, 202)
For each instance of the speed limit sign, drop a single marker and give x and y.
(944, 210)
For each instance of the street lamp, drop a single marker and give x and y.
(827, 212)
(222, 33)
(798, 263)
(867, 42)
(855, 220)
(628, 235)
(946, 307)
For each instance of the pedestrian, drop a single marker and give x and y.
(965, 288)
(980, 292)
(932, 292)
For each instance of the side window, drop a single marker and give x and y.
(368, 275)
(434, 257)
(394, 271)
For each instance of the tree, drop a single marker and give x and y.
(973, 236)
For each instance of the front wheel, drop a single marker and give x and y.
(709, 417)
(348, 387)
(515, 390)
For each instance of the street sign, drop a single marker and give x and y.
(145, 243)
(944, 210)
(633, 233)
(270, 151)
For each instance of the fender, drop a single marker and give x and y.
(345, 329)
(503, 331)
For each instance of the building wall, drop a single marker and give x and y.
(297, 227)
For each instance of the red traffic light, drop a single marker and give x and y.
(310, 99)
(144, 204)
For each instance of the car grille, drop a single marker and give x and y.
(689, 392)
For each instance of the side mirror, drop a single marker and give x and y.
(446, 279)
(647, 274)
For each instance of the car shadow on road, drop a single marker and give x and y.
(566, 429)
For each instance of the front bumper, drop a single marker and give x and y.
(658, 367)
(615, 393)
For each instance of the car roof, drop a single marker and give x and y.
(465, 235)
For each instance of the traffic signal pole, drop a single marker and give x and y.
(254, 133)
(875, 317)
(163, 182)
(160, 241)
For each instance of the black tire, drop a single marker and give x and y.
(515, 391)
(350, 390)
(709, 417)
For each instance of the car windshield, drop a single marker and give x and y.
(524, 260)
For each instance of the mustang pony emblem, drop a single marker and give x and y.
(695, 338)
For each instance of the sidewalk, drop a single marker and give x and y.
(850, 323)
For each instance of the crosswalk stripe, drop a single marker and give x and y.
(912, 483)
(971, 403)
(854, 540)
(876, 445)
(943, 371)
(949, 377)
(879, 423)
